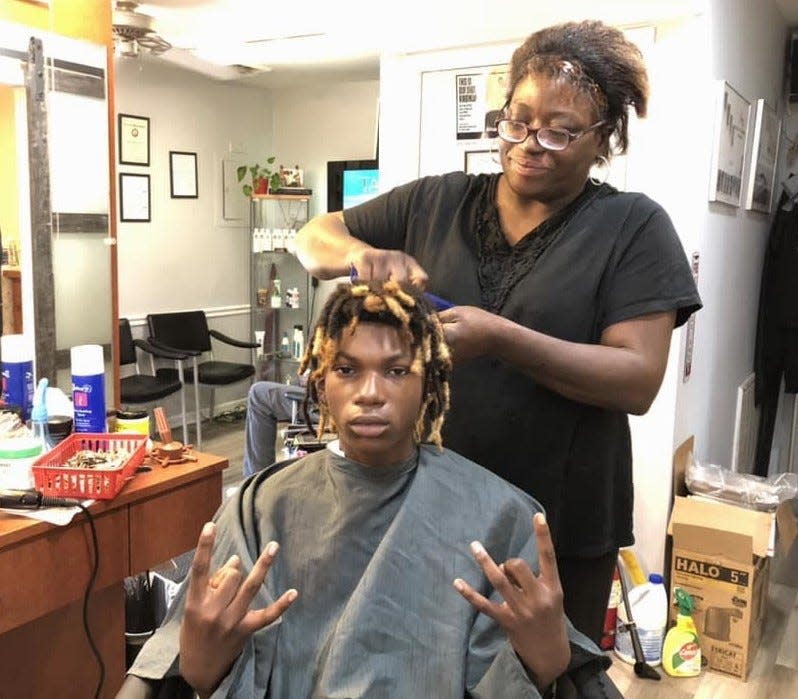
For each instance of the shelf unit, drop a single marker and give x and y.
(277, 211)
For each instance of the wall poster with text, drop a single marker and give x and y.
(480, 98)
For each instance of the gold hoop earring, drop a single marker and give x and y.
(604, 163)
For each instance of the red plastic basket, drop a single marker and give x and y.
(56, 480)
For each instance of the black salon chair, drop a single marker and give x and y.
(142, 389)
(188, 332)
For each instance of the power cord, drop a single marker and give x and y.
(92, 578)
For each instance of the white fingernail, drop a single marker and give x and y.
(208, 528)
(477, 549)
(459, 585)
(271, 548)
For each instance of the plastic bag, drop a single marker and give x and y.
(745, 489)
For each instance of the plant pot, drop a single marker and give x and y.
(261, 186)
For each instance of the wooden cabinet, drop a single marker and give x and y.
(44, 571)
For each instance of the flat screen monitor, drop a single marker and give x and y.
(351, 182)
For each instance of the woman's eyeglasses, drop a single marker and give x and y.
(514, 131)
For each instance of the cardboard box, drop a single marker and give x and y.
(721, 557)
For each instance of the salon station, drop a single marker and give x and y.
(158, 160)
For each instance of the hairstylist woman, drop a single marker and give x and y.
(566, 294)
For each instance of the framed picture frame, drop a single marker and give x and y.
(183, 175)
(481, 161)
(728, 151)
(134, 139)
(764, 157)
(134, 197)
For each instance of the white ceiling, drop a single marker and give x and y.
(305, 41)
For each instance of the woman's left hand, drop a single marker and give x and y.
(468, 330)
(532, 611)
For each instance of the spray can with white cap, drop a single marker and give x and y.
(17, 358)
(88, 388)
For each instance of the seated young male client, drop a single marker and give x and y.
(404, 570)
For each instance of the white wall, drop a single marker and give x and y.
(315, 124)
(745, 40)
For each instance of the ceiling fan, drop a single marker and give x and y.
(135, 32)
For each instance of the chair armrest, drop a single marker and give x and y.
(170, 688)
(137, 688)
(161, 352)
(177, 350)
(230, 341)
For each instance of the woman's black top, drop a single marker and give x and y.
(607, 257)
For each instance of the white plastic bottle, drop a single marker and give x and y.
(298, 342)
(88, 388)
(278, 240)
(267, 240)
(649, 603)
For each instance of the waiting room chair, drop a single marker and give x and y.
(188, 332)
(140, 389)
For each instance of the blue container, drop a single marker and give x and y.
(88, 388)
(17, 356)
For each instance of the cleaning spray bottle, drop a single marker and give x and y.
(39, 417)
(681, 654)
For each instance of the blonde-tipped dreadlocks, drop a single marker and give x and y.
(402, 307)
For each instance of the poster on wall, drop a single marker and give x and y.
(728, 152)
(762, 172)
(480, 98)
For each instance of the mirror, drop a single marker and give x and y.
(55, 210)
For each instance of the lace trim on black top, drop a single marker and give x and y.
(501, 266)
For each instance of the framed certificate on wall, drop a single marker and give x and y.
(134, 197)
(134, 140)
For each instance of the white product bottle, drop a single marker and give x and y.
(256, 240)
(277, 239)
(290, 244)
(88, 388)
(299, 342)
(649, 603)
(267, 240)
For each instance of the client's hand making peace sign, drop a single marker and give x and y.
(532, 611)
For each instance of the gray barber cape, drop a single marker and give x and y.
(373, 553)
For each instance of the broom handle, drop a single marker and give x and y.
(631, 626)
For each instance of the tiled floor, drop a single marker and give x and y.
(775, 671)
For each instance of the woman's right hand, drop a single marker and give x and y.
(217, 620)
(373, 263)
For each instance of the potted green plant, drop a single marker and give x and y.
(264, 179)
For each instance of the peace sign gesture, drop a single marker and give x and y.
(532, 612)
(217, 620)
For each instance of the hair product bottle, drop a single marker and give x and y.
(88, 388)
(17, 357)
(299, 342)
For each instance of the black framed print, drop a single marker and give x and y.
(182, 175)
(134, 140)
(134, 197)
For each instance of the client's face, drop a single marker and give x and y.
(372, 395)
